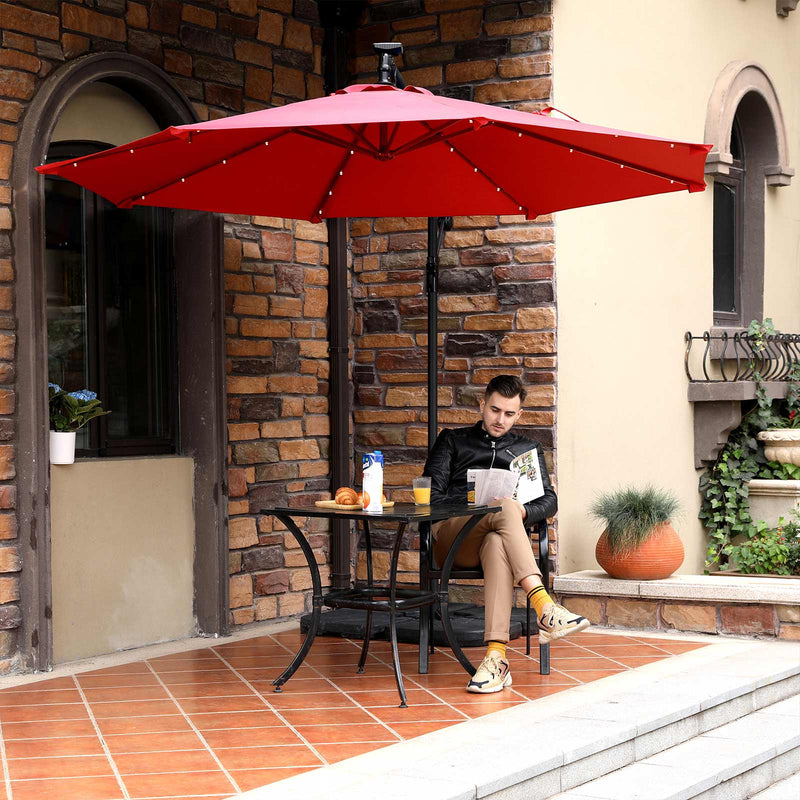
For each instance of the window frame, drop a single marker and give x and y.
(161, 248)
(735, 179)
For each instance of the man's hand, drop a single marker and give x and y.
(522, 508)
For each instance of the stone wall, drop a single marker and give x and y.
(723, 617)
(497, 283)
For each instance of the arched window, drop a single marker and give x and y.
(745, 123)
(110, 287)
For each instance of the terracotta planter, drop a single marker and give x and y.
(658, 557)
(782, 444)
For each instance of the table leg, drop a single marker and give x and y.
(444, 582)
(316, 599)
(393, 613)
(425, 612)
(368, 624)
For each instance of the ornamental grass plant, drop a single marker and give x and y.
(631, 514)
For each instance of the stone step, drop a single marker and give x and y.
(562, 742)
(730, 762)
(787, 789)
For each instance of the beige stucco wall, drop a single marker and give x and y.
(122, 534)
(101, 112)
(632, 277)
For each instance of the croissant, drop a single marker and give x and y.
(345, 496)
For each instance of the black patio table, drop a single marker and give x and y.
(372, 598)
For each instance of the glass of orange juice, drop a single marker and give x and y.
(422, 491)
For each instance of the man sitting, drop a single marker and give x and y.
(499, 542)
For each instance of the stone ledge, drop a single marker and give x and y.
(708, 588)
(700, 603)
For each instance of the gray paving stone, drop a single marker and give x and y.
(743, 785)
(773, 692)
(782, 729)
(591, 767)
(721, 759)
(723, 713)
(787, 789)
(654, 742)
(790, 707)
(646, 711)
(639, 782)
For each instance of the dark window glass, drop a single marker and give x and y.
(737, 151)
(67, 290)
(109, 300)
(728, 235)
(724, 247)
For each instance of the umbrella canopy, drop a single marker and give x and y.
(378, 151)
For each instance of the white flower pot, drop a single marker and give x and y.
(62, 447)
(782, 445)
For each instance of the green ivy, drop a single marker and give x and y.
(725, 505)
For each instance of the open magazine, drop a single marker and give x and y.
(522, 481)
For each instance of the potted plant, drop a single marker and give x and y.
(782, 439)
(69, 411)
(768, 551)
(639, 542)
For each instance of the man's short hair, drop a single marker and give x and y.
(507, 386)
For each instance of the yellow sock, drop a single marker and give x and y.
(539, 599)
(497, 647)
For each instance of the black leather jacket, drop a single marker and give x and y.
(458, 449)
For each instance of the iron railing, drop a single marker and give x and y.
(739, 356)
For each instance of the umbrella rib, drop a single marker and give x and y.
(594, 154)
(392, 135)
(317, 215)
(128, 201)
(341, 143)
(359, 134)
(488, 177)
(56, 167)
(431, 135)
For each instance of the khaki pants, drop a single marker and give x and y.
(500, 544)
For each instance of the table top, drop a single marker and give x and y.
(399, 512)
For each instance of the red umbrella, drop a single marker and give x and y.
(379, 151)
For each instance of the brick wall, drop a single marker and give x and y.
(227, 56)
(497, 295)
(276, 280)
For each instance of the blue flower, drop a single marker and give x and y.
(54, 386)
(84, 394)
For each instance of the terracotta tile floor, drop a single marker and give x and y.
(206, 723)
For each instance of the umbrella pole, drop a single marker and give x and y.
(436, 228)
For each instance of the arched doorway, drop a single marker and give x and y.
(142, 95)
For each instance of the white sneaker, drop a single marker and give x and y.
(493, 675)
(557, 622)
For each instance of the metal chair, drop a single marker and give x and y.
(438, 580)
